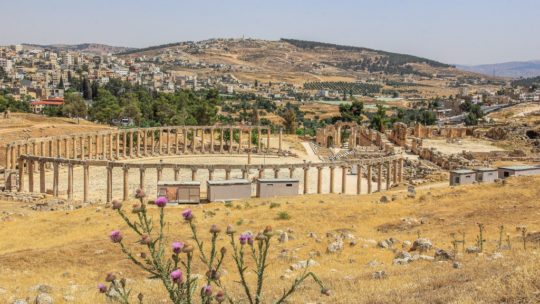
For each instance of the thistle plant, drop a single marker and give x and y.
(524, 236)
(501, 232)
(480, 237)
(174, 268)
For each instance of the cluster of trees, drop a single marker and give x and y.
(9, 103)
(533, 82)
(474, 112)
(346, 87)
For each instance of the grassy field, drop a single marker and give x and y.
(70, 251)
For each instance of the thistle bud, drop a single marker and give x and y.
(220, 296)
(215, 229)
(325, 291)
(223, 250)
(230, 229)
(260, 237)
(140, 297)
(139, 193)
(187, 249)
(110, 277)
(146, 239)
(142, 255)
(116, 205)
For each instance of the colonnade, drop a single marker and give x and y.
(385, 169)
(146, 142)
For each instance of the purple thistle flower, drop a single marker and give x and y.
(116, 236)
(140, 193)
(206, 290)
(102, 288)
(161, 201)
(177, 276)
(187, 215)
(246, 237)
(177, 247)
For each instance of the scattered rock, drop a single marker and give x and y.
(418, 257)
(442, 255)
(373, 263)
(406, 244)
(472, 249)
(456, 265)
(388, 243)
(496, 256)
(44, 298)
(303, 264)
(378, 275)
(402, 258)
(335, 246)
(19, 301)
(44, 288)
(68, 298)
(284, 237)
(384, 199)
(421, 244)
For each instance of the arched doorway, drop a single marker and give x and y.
(330, 142)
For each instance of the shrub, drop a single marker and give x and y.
(175, 272)
(274, 205)
(283, 216)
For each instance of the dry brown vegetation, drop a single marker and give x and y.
(71, 252)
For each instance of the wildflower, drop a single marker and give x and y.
(230, 229)
(161, 201)
(223, 250)
(246, 237)
(110, 277)
(102, 288)
(137, 208)
(215, 229)
(206, 291)
(187, 215)
(116, 236)
(220, 296)
(177, 247)
(116, 205)
(177, 276)
(146, 239)
(268, 231)
(140, 296)
(139, 193)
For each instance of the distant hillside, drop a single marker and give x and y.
(507, 69)
(393, 58)
(92, 48)
(527, 82)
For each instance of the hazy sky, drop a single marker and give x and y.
(452, 31)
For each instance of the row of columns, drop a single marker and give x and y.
(394, 175)
(142, 143)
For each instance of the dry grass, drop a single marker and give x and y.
(70, 250)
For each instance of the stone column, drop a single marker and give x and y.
(185, 133)
(244, 173)
(306, 182)
(117, 145)
(369, 178)
(125, 144)
(359, 179)
(58, 148)
(176, 173)
(89, 147)
(42, 148)
(276, 172)
(210, 174)
(394, 171)
(202, 139)
(85, 182)
(126, 182)
(344, 179)
(261, 172)
(30, 164)
(319, 180)
(168, 141)
(160, 138)
(70, 182)
(240, 140)
(55, 179)
(141, 177)
(400, 167)
(267, 140)
(144, 142)
(379, 177)
(291, 172)
(332, 168)
(109, 183)
(74, 147)
(212, 140)
(152, 142)
(193, 142)
(131, 135)
(177, 141)
(280, 139)
(111, 153)
(42, 177)
(388, 175)
(8, 155)
(81, 146)
(193, 174)
(231, 139)
(227, 173)
(103, 147)
(221, 141)
(259, 141)
(159, 172)
(13, 158)
(21, 175)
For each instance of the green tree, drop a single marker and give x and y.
(289, 120)
(74, 106)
